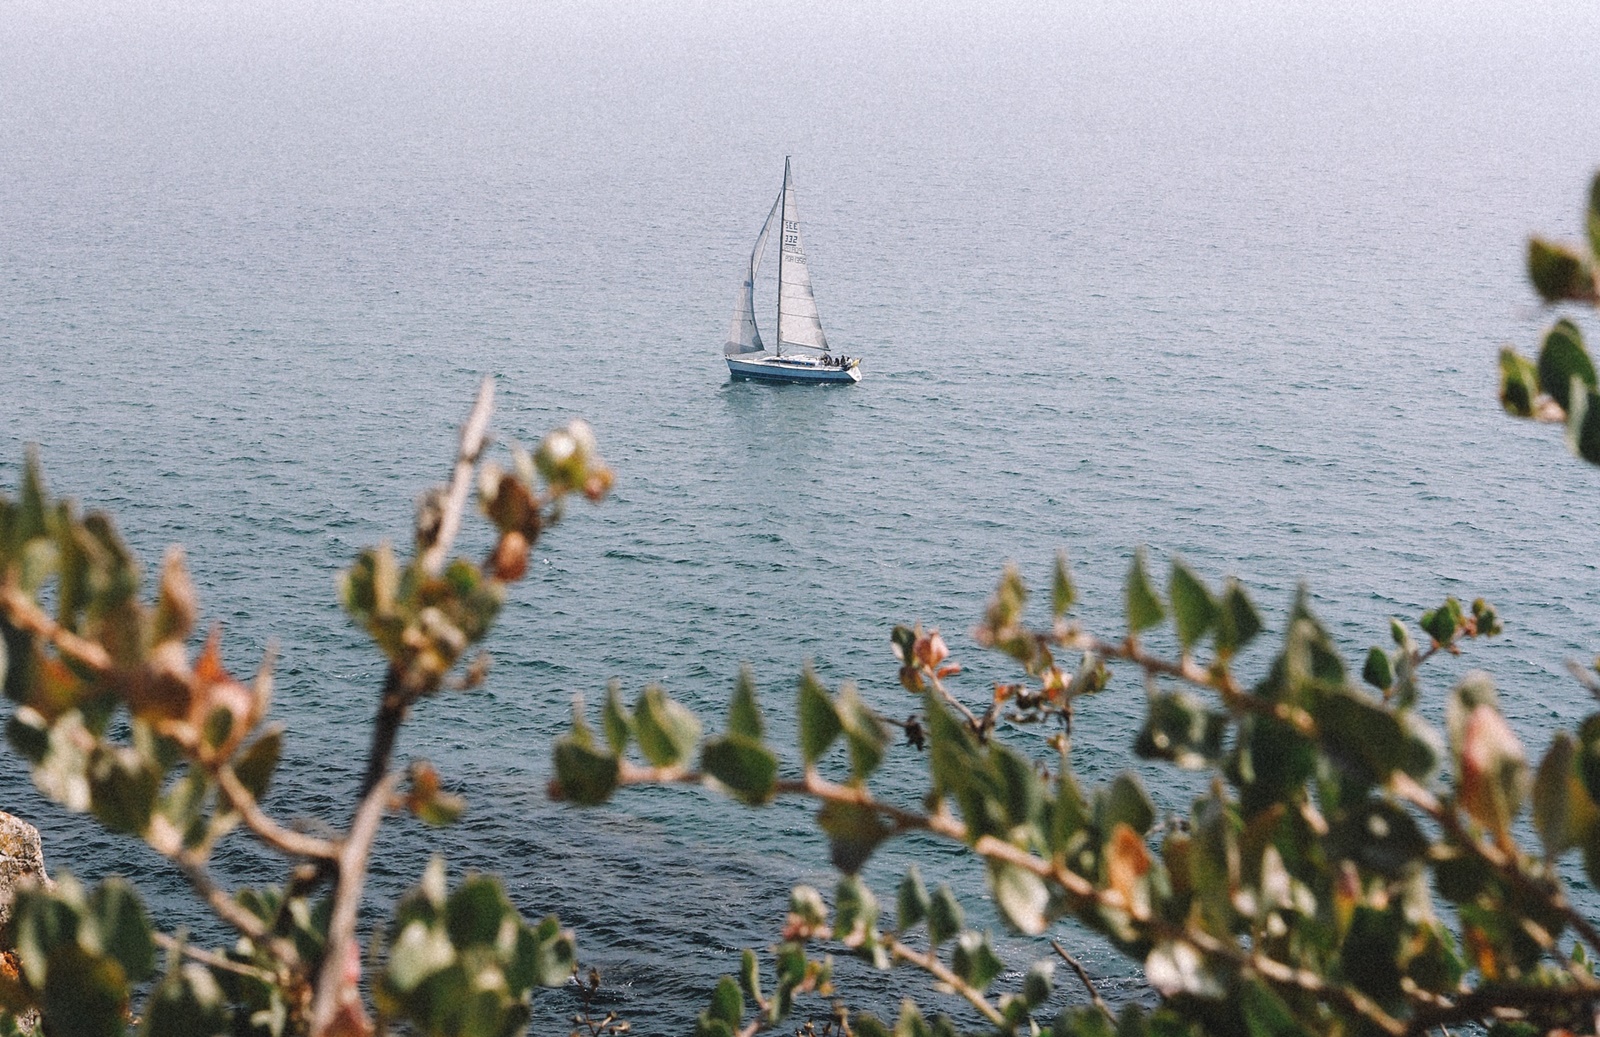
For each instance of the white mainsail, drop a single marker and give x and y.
(743, 335)
(798, 323)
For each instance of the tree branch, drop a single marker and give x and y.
(1486, 999)
(21, 612)
(1507, 867)
(473, 435)
(929, 963)
(1083, 977)
(284, 840)
(352, 864)
(211, 959)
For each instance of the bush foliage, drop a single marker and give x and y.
(1352, 866)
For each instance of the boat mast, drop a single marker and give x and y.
(783, 211)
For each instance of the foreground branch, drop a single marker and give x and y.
(333, 984)
(930, 963)
(474, 433)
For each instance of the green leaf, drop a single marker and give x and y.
(1082, 1022)
(123, 787)
(904, 641)
(865, 1024)
(1144, 607)
(1519, 383)
(1370, 947)
(30, 519)
(806, 904)
(1558, 274)
(124, 928)
(87, 996)
(910, 1022)
(1363, 737)
(706, 1026)
(1021, 895)
(746, 767)
(1069, 812)
(475, 911)
(975, 961)
(1038, 983)
(1379, 836)
(72, 589)
(819, 720)
(43, 920)
(1592, 217)
(187, 1003)
(944, 916)
(750, 975)
(1124, 802)
(1194, 610)
(1379, 670)
(1179, 728)
(19, 663)
(911, 900)
(1010, 597)
(668, 731)
(853, 831)
(855, 915)
(1442, 623)
(583, 775)
(183, 804)
(1563, 812)
(419, 951)
(1177, 967)
(744, 714)
(1589, 755)
(1021, 787)
(616, 720)
(1063, 595)
(1562, 358)
(557, 953)
(255, 765)
(863, 731)
(1583, 423)
(1266, 1014)
(727, 1002)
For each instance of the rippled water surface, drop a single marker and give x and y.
(1227, 285)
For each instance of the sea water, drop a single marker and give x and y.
(1227, 281)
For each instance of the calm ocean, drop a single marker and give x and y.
(1225, 280)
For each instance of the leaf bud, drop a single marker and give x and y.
(510, 560)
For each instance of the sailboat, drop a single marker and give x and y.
(801, 353)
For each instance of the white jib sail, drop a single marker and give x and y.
(743, 335)
(798, 323)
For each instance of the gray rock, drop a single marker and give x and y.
(21, 857)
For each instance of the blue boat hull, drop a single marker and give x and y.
(794, 374)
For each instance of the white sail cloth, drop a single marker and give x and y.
(743, 335)
(798, 323)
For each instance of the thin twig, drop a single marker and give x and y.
(21, 612)
(1083, 977)
(225, 907)
(1280, 974)
(473, 434)
(929, 963)
(1483, 1001)
(1191, 672)
(352, 865)
(972, 718)
(1077, 886)
(284, 840)
(211, 959)
(1546, 889)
